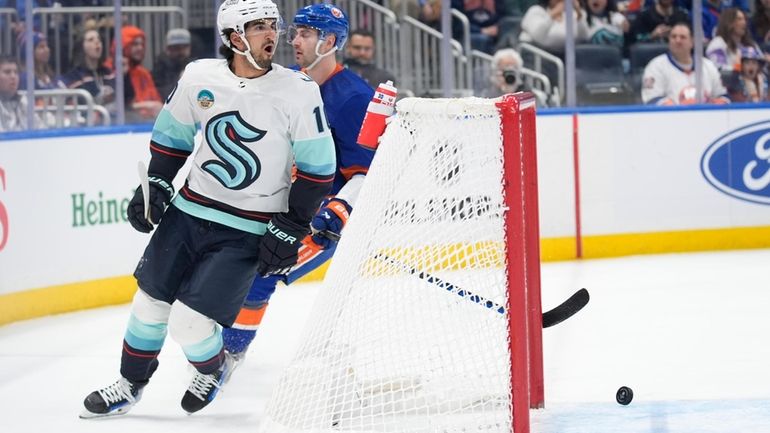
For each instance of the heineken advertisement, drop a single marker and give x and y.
(63, 207)
(89, 210)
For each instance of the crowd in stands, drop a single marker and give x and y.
(735, 66)
(89, 65)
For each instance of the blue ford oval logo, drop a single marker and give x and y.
(738, 163)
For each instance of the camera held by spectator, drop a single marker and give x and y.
(511, 77)
(506, 73)
(506, 76)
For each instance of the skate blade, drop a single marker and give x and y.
(87, 414)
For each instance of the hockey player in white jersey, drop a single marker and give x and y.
(669, 79)
(238, 214)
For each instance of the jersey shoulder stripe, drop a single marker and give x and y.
(171, 133)
(316, 155)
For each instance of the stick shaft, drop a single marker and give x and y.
(144, 181)
(552, 317)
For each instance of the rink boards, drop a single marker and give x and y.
(611, 183)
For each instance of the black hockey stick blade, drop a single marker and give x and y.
(566, 309)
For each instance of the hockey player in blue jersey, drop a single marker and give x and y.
(317, 33)
(238, 214)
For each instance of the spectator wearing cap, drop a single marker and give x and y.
(143, 103)
(359, 58)
(170, 64)
(45, 77)
(751, 84)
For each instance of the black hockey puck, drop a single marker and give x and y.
(624, 395)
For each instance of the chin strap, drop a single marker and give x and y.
(247, 53)
(320, 56)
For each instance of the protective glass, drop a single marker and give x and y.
(261, 27)
(303, 32)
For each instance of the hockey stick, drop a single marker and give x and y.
(552, 317)
(566, 309)
(432, 279)
(144, 181)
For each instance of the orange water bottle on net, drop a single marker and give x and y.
(383, 105)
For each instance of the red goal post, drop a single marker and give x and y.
(429, 317)
(517, 114)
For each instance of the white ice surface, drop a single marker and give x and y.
(690, 333)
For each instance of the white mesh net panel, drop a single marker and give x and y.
(408, 334)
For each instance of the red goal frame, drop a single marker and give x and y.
(522, 250)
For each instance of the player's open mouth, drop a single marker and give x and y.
(269, 48)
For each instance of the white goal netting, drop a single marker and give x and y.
(410, 332)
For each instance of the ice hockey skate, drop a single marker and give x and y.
(116, 399)
(205, 387)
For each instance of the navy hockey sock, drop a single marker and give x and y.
(237, 340)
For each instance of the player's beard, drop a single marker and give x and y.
(263, 58)
(264, 62)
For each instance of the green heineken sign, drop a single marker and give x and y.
(94, 211)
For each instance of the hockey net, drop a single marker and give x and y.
(429, 317)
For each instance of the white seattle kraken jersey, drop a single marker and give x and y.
(253, 130)
(666, 82)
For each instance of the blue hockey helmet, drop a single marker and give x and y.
(327, 19)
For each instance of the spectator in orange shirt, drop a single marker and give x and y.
(143, 102)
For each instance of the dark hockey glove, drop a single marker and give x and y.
(279, 246)
(161, 191)
(332, 217)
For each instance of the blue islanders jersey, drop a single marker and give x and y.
(345, 96)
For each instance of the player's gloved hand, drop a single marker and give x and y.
(331, 217)
(161, 191)
(279, 246)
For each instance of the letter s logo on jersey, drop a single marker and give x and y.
(738, 163)
(238, 166)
